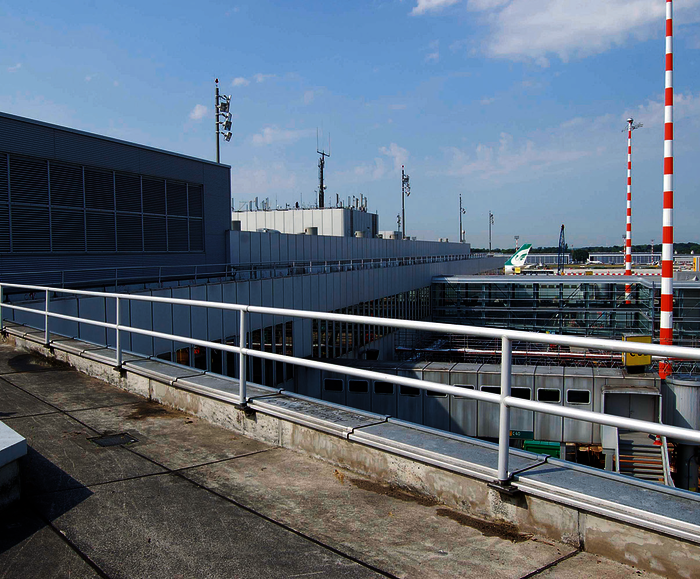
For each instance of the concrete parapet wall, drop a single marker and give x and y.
(455, 470)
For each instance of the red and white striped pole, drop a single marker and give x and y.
(628, 239)
(666, 326)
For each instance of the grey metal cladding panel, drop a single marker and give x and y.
(95, 152)
(26, 138)
(164, 165)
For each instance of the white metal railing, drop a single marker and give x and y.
(505, 400)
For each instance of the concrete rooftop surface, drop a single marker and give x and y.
(184, 498)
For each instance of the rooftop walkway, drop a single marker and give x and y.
(180, 497)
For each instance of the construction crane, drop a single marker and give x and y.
(562, 250)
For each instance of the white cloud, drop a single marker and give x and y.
(398, 154)
(260, 77)
(424, 6)
(240, 81)
(539, 29)
(260, 178)
(198, 112)
(275, 135)
(434, 54)
(14, 68)
(489, 160)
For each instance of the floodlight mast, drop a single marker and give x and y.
(222, 105)
(462, 211)
(405, 192)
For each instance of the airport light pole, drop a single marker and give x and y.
(462, 211)
(491, 222)
(405, 192)
(222, 115)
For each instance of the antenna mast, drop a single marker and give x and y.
(321, 165)
(405, 192)
(462, 211)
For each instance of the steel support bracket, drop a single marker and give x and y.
(245, 408)
(505, 487)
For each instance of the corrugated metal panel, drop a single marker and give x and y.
(100, 231)
(154, 233)
(66, 185)
(29, 180)
(4, 227)
(67, 229)
(128, 192)
(162, 164)
(88, 150)
(26, 138)
(99, 189)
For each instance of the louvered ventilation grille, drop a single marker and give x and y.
(29, 181)
(129, 232)
(153, 196)
(68, 230)
(100, 231)
(196, 237)
(30, 228)
(4, 227)
(177, 234)
(154, 233)
(3, 178)
(99, 190)
(66, 185)
(194, 193)
(128, 192)
(177, 198)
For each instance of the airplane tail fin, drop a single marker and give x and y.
(519, 257)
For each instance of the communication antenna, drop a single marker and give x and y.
(462, 211)
(491, 222)
(321, 165)
(628, 237)
(405, 192)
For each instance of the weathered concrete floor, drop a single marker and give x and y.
(193, 500)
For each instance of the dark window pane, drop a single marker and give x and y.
(333, 385)
(523, 393)
(383, 388)
(491, 389)
(358, 386)
(548, 395)
(578, 397)
(194, 195)
(409, 391)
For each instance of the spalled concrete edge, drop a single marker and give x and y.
(537, 511)
(13, 446)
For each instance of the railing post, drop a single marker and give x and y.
(118, 344)
(504, 422)
(243, 399)
(46, 318)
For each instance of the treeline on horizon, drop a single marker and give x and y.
(582, 253)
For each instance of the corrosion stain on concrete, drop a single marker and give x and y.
(502, 530)
(394, 492)
(148, 409)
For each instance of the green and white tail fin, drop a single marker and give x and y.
(519, 257)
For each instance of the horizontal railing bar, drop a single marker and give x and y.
(495, 333)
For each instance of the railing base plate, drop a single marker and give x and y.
(505, 488)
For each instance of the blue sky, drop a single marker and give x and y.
(519, 105)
